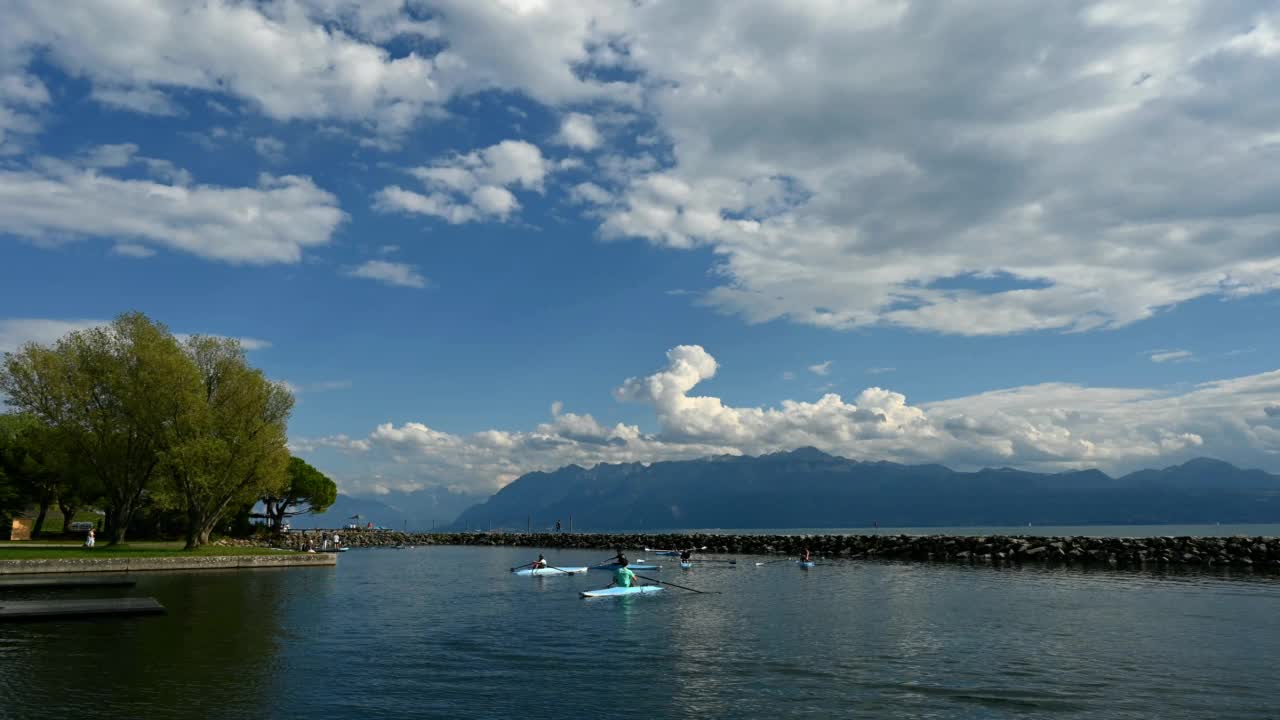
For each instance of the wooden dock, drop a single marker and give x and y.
(57, 583)
(29, 610)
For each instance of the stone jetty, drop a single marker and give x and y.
(1237, 551)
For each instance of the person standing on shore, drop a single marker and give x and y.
(90, 539)
(335, 541)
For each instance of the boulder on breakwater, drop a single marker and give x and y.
(1237, 551)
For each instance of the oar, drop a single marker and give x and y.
(770, 562)
(731, 562)
(521, 566)
(660, 582)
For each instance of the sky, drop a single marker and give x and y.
(483, 238)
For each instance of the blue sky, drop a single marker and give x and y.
(698, 229)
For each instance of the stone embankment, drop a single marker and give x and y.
(1255, 552)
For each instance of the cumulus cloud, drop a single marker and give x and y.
(389, 273)
(589, 193)
(274, 222)
(472, 186)
(1047, 427)
(135, 55)
(579, 131)
(860, 198)
(823, 368)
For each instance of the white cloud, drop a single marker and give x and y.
(16, 332)
(472, 186)
(579, 131)
(861, 198)
(111, 156)
(1047, 427)
(389, 273)
(590, 193)
(274, 222)
(140, 100)
(1170, 356)
(270, 149)
(278, 56)
(132, 250)
(822, 368)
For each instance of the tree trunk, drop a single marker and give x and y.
(195, 524)
(68, 514)
(118, 520)
(44, 510)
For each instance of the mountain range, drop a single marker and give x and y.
(420, 510)
(809, 488)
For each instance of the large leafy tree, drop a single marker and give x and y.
(113, 396)
(229, 444)
(15, 493)
(308, 491)
(27, 458)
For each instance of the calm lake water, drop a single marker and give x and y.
(447, 632)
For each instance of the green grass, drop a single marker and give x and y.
(34, 551)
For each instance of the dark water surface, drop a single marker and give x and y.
(446, 632)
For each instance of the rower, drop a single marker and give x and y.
(804, 556)
(686, 555)
(539, 563)
(619, 559)
(623, 577)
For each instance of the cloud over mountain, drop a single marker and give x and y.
(1049, 427)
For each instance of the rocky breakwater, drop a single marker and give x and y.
(1241, 552)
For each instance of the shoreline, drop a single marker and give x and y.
(1262, 552)
(42, 566)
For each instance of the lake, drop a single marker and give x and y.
(447, 632)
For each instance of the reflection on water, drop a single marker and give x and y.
(220, 637)
(447, 632)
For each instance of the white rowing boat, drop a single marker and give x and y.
(621, 591)
(530, 572)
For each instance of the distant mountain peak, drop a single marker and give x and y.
(805, 453)
(1205, 463)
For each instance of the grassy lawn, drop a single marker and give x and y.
(28, 551)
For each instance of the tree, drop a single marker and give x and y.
(112, 395)
(308, 491)
(34, 457)
(229, 444)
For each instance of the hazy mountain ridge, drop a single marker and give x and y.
(809, 488)
(419, 510)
